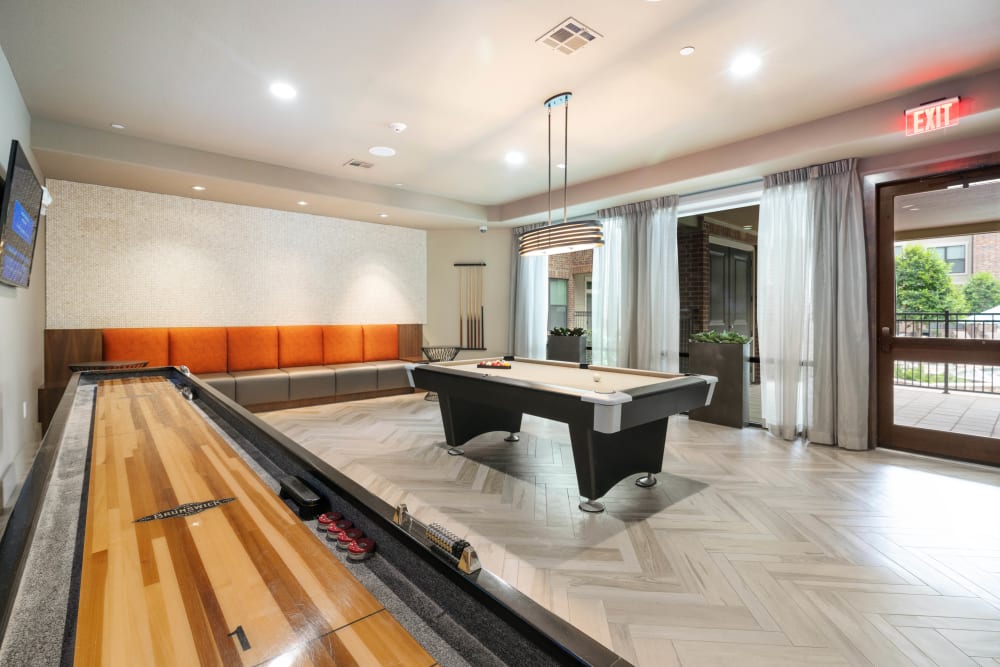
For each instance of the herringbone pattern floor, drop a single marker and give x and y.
(750, 550)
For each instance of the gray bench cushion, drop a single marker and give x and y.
(311, 382)
(263, 386)
(391, 374)
(223, 382)
(356, 378)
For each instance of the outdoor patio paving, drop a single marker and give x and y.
(958, 412)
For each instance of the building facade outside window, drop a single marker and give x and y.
(558, 302)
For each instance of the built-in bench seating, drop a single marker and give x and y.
(269, 367)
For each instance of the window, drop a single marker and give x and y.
(558, 302)
(954, 255)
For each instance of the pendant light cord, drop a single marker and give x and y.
(565, 157)
(550, 165)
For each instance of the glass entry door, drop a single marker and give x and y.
(939, 315)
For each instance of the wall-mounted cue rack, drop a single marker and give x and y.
(471, 314)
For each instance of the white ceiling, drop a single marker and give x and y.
(190, 81)
(958, 206)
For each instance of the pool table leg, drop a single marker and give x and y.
(604, 459)
(464, 420)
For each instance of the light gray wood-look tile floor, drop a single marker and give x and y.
(750, 550)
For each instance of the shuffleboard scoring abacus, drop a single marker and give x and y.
(470, 305)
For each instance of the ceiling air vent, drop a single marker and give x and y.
(354, 162)
(569, 36)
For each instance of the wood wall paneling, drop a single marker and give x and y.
(411, 340)
(67, 346)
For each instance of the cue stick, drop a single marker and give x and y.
(475, 299)
(481, 332)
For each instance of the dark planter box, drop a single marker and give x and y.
(566, 348)
(730, 362)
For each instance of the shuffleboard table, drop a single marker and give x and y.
(151, 531)
(617, 417)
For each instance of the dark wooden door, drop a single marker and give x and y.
(730, 289)
(936, 371)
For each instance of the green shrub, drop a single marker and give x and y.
(563, 331)
(982, 292)
(734, 337)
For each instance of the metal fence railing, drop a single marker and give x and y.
(946, 324)
(976, 378)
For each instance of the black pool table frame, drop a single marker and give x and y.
(610, 441)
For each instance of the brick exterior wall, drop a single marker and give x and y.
(693, 267)
(986, 254)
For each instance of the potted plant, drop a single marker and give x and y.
(567, 345)
(726, 355)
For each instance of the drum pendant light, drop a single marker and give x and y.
(566, 236)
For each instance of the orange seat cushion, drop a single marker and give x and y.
(343, 344)
(300, 346)
(381, 341)
(201, 349)
(136, 345)
(252, 348)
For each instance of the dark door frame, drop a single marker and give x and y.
(878, 191)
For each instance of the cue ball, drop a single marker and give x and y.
(597, 377)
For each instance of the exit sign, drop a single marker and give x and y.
(933, 116)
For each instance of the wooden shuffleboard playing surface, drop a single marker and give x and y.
(241, 581)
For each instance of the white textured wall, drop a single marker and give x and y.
(444, 248)
(22, 314)
(123, 258)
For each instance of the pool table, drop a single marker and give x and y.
(617, 417)
(153, 528)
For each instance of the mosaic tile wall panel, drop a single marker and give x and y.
(123, 258)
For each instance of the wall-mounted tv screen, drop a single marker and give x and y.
(19, 212)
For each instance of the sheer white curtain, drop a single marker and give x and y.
(529, 301)
(636, 298)
(812, 305)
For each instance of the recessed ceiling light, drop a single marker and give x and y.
(383, 215)
(303, 203)
(745, 64)
(283, 91)
(687, 50)
(398, 185)
(382, 151)
(514, 158)
(117, 126)
(199, 188)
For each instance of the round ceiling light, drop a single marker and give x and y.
(745, 64)
(514, 158)
(382, 151)
(283, 91)
(117, 126)
(199, 188)
(303, 203)
(383, 215)
(687, 50)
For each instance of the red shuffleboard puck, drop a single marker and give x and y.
(345, 537)
(360, 549)
(323, 521)
(334, 528)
